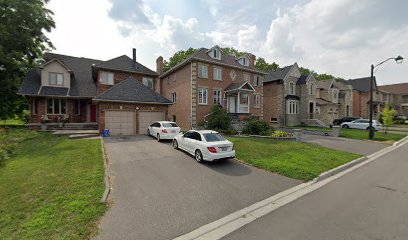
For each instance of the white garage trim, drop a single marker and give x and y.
(148, 117)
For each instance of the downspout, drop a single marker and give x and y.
(284, 104)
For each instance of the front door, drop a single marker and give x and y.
(231, 104)
(93, 113)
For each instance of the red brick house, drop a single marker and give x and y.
(117, 94)
(209, 77)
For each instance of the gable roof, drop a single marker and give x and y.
(226, 60)
(278, 74)
(362, 84)
(125, 63)
(399, 88)
(132, 90)
(325, 84)
(238, 86)
(302, 79)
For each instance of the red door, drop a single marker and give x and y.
(93, 113)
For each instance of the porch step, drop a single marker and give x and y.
(81, 136)
(75, 132)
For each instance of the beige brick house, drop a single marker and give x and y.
(209, 77)
(116, 94)
(397, 96)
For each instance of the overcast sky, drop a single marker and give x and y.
(340, 37)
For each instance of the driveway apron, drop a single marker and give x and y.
(161, 193)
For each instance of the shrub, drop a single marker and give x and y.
(219, 120)
(279, 133)
(256, 127)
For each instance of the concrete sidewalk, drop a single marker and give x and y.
(345, 144)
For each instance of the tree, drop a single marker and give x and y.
(262, 65)
(219, 119)
(22, 44)
(387, 116)
(232, 51)
(177, 58)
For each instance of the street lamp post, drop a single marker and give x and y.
(370, 128)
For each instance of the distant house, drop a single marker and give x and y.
(117, 94)
(211, 77)
(397, 96)
(361, 97)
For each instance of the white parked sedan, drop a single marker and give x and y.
(204, 145)
(163, 130)
(361, 124)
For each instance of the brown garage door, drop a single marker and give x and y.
(120, 122)
(147, 118)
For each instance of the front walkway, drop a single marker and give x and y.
(345, 144)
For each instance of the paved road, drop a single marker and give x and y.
(368, 203)
(345, 144)
(161, 193)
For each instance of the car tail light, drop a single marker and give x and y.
(212, 149)
(164, 130)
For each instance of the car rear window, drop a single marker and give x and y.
(169, 125)
(213, 137)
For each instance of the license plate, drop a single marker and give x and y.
(224, 148)
(173, 131)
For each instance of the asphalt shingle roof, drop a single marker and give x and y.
(31, 83)
(278, 74)
(132, 90)
(53, 91)
(400, 88)
(302, 79)
(324, 84)
(125, 63)
(362, 84)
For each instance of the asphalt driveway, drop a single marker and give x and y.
(162, 193)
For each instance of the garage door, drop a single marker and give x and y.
(147, 118)
(120, 122)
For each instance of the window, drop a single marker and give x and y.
(203, 96)
(173, 97)
(257, 100)
(216, 54)
(217, 97)
(311, 89)
(106, 78)
(291, 88)
(148, 82)
(246, 77)
(77, 107)
(202, 71)
(35, 106)
(56, 106)
(56, 79)
(233, 75)
(292, 107)
(244, 61)
(213, 137)
(273, 119)
(196, 136)
(257, 80)
(335, 95)
(217, 74)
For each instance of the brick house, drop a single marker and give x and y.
(361, 97)
(397, 96)
(209, 77)
(117, 94)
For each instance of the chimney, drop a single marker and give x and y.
(134, 58)
(252, 60)
(159, 65)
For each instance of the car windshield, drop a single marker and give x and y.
(169, 125)
(213, 137)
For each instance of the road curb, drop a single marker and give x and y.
(105, 157)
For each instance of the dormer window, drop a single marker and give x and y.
(56, 79)
(216, 54)
(106, 78)
(148, 82)
(244, 61)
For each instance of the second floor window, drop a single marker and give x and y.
(174, 97)
(217, 97)
(203, 96)
(56, 79)
(246, 77)
(257, 100)
(217, 74)
(106, 78)
(291, 88)
(311, 89)
(148, 82)
(257, 80)
(202, 71)
(335, 95)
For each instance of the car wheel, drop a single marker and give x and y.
(148, 132)
(158, 137)
(345, 126)
(198, 156)
(175, 144)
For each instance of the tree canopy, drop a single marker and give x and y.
(22, 44)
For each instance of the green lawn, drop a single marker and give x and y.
(363, 135)
(11, 122)
(292, 159)
(51, 186)
(312, 128)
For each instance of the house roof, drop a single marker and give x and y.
(325, 84)
(400, 88)
(125, 63)
(53, 91)
(302, 79)
(278, 74)
(132, 90)
(31, 83)
(362, 84)
(321, 101)
(238, 86)
(201, 55)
